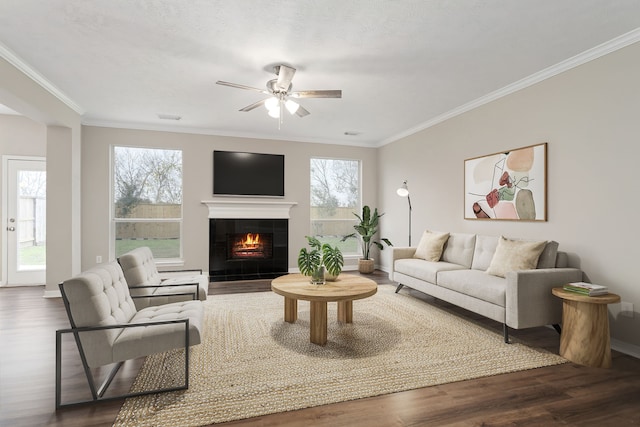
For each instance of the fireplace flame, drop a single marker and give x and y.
(250, 245)
(252, 240)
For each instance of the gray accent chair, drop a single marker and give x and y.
(144, 279)
(108, 329)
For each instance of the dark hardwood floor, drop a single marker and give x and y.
(567, 394)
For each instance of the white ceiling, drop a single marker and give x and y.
(401, 65)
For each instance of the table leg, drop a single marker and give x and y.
(290, 310)
(318, 327)
(585, 334)
(345, 311)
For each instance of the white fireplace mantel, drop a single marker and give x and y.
(249, 209)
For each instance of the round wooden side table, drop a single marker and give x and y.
(585, 328)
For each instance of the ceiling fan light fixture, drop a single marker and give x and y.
(272, 103)
(278, 92)
(275, 113)
(292, 106)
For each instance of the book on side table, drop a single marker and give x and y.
(588, 289)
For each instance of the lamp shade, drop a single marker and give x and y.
(403, 191)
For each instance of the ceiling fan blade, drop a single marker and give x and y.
(253, 106)
(220, 82)
(285, 75)
(301, 111)
(317, 94)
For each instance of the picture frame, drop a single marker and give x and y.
(507, 186)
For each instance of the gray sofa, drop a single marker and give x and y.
(520, 299)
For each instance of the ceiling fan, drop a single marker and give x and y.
(279, 91)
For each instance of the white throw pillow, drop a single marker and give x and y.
(431, 245)
(513, 255)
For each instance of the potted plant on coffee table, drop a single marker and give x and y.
(321, 256)
(366, 229)
(333, 261)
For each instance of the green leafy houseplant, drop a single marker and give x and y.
(313, 262)
(332, 260)
(366, 229)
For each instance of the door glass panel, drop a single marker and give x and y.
(31, 220)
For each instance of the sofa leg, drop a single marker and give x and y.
(505, 332)
(557, 328)
(400, 285)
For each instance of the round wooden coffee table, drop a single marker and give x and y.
(344, 290)
(585, 328)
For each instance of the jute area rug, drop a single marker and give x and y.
(252, 363)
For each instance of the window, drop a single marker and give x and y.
(147, 201)
(335, 196)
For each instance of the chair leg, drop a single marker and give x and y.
(505, 332)
(97, 395)
(110, 377)
(400, 285)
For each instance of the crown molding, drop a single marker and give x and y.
(613, 45)
(215, 132)
(13, 59)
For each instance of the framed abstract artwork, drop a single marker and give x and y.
(510, 185)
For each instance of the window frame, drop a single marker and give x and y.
(357, 209)
(113, 220)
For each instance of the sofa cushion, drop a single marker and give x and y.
(459, 249)
(483, 252)
(514, 255)
(548, 256)
(423, 270)
(475, 283)
(431, 245)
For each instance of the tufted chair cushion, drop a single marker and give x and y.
(100, 297)
(139, 268)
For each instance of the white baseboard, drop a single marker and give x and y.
(626, 348)
(52, 294)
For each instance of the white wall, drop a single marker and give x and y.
(589, 117)
(23, 95)
(20, 136)
(198, 184)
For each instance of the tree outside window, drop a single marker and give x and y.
(147, 204)
(335, 196)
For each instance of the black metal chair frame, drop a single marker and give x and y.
(98, 393)
(193, 294)
(196, 284)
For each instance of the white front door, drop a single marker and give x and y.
(25, 227)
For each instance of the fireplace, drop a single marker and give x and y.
(250, 246)
(246, 249)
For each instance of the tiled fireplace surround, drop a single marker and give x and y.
(248, 239)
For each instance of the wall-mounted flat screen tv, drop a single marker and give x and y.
(248, 174)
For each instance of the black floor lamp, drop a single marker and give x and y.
(403, 191)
